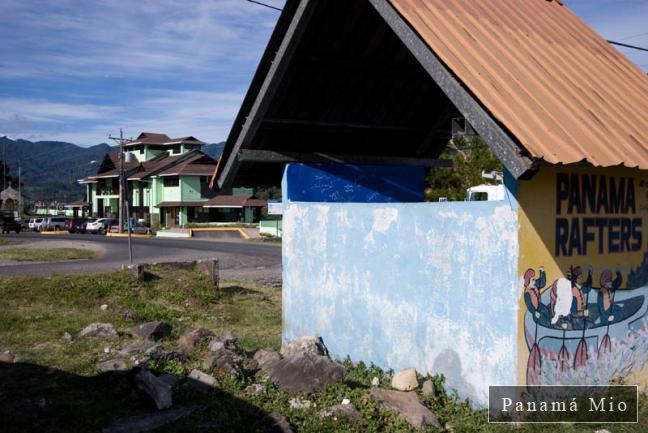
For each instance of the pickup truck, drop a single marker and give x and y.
(8, 223)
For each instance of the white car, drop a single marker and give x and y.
(102, 225)
(31, 222)
(38, 222)
(53, 223)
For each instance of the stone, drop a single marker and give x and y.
(137, 346)
(347, 412)
(169, 379)
(161, 356)
(103, 307)
(128, 314)
(255, 389)
(299, 404)
(310, 345)
(193, 337)
(203, 380)
(278, 423)
(98, 330)
(66, 337)
(112, 365)
(156, 388)
(211, 269)
(305, 373)
(602, 431)
(148, 421)
(428, 389)
(226, 341)
(7, 357)
(407, 406)
(155, 331)
(265, 359)
(405, 380)
(375, 381)
(225, 361)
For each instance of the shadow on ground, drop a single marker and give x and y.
(35, 398)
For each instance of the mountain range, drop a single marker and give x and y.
(50, 169)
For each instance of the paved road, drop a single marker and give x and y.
(238, 259)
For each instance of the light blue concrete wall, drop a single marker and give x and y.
(425, 285)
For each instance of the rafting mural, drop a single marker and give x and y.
(583, 275)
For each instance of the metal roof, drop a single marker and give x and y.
(564, 92)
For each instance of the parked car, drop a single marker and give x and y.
(53, 223)
(136, 228)
(38, 222)
(8, 223)
(102, 225)
(31, 222)
(76, 225)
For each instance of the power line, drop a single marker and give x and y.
(266, 5)
(634, 47)
(633, 36)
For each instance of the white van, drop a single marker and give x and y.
(53, 223)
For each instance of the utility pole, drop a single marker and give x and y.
(20, 202)
(123, 193)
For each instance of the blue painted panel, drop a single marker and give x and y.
(353, 183)
(425, 285)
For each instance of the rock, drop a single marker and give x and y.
(226, 361)
(375, 381)
(602, 431)
(6, 356)
(342, 411)
(103, 307)
(311, 345)
(152, 330)
(66, 337)
(162, 356)
(138, 346)
(156, 388)
(148, 421)
(428, 389)
(305, 373)
(112, 365)
(299, 404)
(193, 338)
(255, 389)
(279, 423)
(201, 381)
(405, 380)
(128, 314)
(407, 406)
(266, 358)
(98, 330)
(169, 379)
(225, 341)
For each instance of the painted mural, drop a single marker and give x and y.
(584, 275)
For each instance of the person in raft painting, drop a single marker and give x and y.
(579, 311)
(532, 296)
(608, 311)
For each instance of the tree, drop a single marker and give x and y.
(470, 155)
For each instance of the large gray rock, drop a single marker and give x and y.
(225, 361)
(98, 330)
(310, 345)
(155, 331)
(428, 389)
(157, 389)
(148, 421)
(112, 365)
(6, 356)
(305, 373)
(405, 380)
(265, 359)
(407, 406)
(279, 423)
(138, 346)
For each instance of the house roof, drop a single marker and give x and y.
(158, 138)
(564, 92)
(234, 201)
(180, 204)
(386, 78)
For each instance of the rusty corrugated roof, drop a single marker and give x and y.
(553, 82)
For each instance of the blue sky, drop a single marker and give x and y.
(74, 70)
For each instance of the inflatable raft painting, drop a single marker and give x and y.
(586, 327)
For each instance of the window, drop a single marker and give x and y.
(172, 181)
(175, 149)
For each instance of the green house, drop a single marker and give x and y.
(168, 181)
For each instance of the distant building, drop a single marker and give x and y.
(168, 184)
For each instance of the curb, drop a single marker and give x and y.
(220, 229)
(125, 235)
(56, 232)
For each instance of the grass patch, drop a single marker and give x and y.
(55, 389)
(3, 241)
(46, 254)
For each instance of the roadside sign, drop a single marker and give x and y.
(275, 208)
